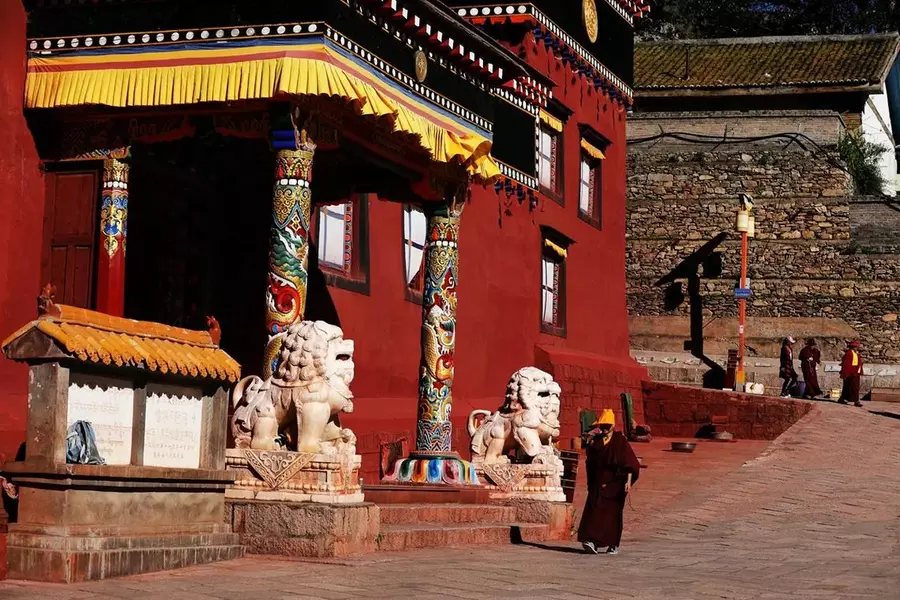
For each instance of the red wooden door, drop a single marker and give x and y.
(70, 221)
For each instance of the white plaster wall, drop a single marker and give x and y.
(878, 131)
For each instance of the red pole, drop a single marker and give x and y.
(741, 378)
(113, 223)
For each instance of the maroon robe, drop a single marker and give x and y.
(851, 374)
(607, 470)
(810, 357)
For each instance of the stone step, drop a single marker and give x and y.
(408, 537)
(447, 514)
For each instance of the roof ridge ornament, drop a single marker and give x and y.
(45, 304)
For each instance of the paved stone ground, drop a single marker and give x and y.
(813, 515)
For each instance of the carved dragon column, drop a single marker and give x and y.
(113, 231)
(440, 269)
(433, 461)
(289, 244)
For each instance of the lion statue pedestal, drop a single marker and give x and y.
(527, 423)
(296, 466)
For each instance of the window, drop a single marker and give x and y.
(589, 189)
(554, 249)
(336, 236)
(414, 226)
(548, 160)
(342, 245)
(550, 291)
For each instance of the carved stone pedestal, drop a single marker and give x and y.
(294, 476)
(304, 529)
(523, 481)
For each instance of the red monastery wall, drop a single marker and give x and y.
(21, 221)
(498, 324)
(498, 321)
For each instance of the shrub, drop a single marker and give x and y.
(861, 158)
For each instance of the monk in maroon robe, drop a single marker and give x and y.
(786, 369)
(851, 373)
(810, 359)
(612, 469)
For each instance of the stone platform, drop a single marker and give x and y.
(304, 529)
(84, 522)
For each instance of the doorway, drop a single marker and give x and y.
(199, 216)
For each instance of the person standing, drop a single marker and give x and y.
(612, 470)
(786, 369)
(810, 358)
(851, 373)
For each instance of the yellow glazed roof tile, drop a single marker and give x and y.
(94, 337)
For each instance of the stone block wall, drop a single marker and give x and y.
(680, 411)
(804, 261)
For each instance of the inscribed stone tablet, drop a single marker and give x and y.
(110, 410)
(172, 430)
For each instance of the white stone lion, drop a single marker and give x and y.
(528, 419)
(310, 388)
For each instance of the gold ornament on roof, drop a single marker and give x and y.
(421, 66)
(589, 15)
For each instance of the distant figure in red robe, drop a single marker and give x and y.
(851, 373)
(810, 359)
(612, 470)
(786, 369)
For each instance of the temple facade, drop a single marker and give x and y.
(446, 184)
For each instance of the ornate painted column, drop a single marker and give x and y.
(289, 243)
(436, 368)
(113, 231)
(433, 460)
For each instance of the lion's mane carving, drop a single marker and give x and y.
(528, 419)
(309, 389)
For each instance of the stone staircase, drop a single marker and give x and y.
(412, 526)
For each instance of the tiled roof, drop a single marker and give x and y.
(765, 62)
(94, 337)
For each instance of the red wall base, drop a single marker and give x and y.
(681, 411)
(591, 382)
(3, 530)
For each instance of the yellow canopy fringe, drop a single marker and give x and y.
(232, 74)
(591, 150)
(551, 121)
(563, 253)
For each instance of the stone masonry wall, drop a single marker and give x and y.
(811, 255)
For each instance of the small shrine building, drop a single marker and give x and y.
(445, 183)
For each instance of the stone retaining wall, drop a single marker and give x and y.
(813, 252)
(680, 411)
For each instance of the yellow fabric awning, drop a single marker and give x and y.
(551, 121)
(172, 77)
(562, 252)
(592, 150)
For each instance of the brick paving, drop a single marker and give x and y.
(812, 515)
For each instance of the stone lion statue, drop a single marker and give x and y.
(298, 407)
(528, 420)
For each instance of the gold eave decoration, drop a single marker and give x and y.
(562, 252)
(551, 121)
(592, 150)
(421, 66)
(589, 15)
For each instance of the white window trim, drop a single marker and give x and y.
(332, 214)
(413, 247)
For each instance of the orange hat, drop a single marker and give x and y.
(607, 417)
